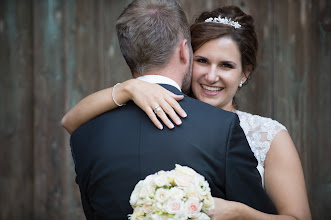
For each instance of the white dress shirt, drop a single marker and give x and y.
(159, 80)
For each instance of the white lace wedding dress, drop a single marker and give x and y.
(260, 132)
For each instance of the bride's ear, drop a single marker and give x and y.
(246, 73)
(184, 51)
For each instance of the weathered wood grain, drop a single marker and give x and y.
(317, 138)
(302, 92)
(16, 111)
(115, 68)
(82, 60)
(50, 158)
(257, 96)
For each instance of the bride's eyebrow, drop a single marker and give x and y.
(201, 57)
(228, 62)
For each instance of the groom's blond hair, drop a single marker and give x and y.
(149, 31)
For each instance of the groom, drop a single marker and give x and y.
(115, 150)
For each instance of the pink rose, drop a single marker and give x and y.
(147, 208)
(174, 206)
(193, 207)
(183, 180)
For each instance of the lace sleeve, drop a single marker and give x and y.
(260, 132)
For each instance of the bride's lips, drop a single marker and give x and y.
(211, 90)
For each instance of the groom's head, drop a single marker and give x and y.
(149, 31)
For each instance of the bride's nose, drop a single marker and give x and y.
(211, 75)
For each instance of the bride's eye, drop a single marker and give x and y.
(201, 60)
(227, 65)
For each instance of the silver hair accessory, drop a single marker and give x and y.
(225, 20)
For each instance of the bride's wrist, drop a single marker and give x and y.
(235, 210)
(240, 211)
(129, 88)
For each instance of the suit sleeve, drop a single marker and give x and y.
(242, 179)
(82, 183)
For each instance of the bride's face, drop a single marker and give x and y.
(217, 72)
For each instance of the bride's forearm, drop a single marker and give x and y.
(225, 209)
(247, 213)
(96, 104)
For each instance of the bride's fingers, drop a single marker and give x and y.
(173, 95)
(176, 106)
(168, 109)
(176, 97)
(162, 115)
(150, 113)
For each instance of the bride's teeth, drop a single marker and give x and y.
(213, 89)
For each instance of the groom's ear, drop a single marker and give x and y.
(184, 51)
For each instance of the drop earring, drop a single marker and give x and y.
(241, 84)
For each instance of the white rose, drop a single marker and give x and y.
(147, 208)
(208, 203)
(158, 207)
(193, 207)
(161, 179)
(145, 189)
(149, 183)
(181, 216)
(156, 217)
(136, 192)
(190, 191)
(183, 180)
(143, 192)
(138, 212)
(202, 216)
(174, 206)
(171, 175)
(201, 185)
(185, 170)
(161, 195)
(134, 199)
(176, 193)
(152, 217)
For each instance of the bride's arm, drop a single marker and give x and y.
(284, 183)
(144, 94)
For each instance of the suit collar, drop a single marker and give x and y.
(159, 80)
(172, 89)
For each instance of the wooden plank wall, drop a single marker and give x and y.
(16, 110)
(55, 52)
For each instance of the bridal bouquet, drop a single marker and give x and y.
(179, 194)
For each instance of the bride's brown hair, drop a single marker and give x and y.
(245, 36)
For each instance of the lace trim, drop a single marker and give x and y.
(259, 131)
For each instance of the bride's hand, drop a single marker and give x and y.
(149, 96)
(224, 210)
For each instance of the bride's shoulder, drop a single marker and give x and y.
(250, 122)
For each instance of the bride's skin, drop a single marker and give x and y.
(215, 80)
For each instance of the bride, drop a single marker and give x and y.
(224, 59)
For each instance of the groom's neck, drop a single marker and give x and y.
(169, 72)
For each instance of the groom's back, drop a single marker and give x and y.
(115, 150)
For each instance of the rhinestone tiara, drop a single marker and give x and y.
(225, 20)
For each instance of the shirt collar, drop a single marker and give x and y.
(159, 80)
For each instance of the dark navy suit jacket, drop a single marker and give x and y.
(115, 150)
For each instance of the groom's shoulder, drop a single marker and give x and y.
(208, 110)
